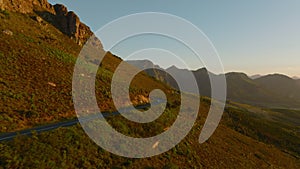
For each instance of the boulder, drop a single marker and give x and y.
(8, 32)
(38, 19)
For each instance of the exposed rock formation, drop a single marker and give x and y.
(70, 24)
(67, 22)
(25, 6)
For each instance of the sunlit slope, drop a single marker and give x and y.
(71, 148)
(37, 63)
(36, 66)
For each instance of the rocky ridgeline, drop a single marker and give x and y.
(66, 21)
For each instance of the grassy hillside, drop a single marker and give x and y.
(36, 66)
(71, 148)
(279, 127)
(37, 63)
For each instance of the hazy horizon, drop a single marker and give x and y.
(252, 37)
(249, 75)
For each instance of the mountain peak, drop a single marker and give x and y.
(237, 74)
(173, 67)
(276, 76)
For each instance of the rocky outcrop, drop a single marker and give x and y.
(70, 24)
(66, 21)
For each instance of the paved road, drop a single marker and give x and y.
(28, 132)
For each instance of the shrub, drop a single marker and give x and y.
(170, 166)
(4, 12)
(1, 54)
(61, 55)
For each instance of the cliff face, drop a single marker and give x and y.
(70, 24)
(66, 21)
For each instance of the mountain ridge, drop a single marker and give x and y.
(37, 61)
(261, 91)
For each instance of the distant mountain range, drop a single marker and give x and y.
(39, 45)
(275, 90)
(258, 76)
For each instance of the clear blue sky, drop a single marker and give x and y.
(256, 37)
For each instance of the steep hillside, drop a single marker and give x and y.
(37, 61)
(71, 148)
(38, 48)
(36, 67)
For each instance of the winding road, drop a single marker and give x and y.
(28, 132)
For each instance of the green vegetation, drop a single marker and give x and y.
(61, 55)
(71, 148)
(5, 13)
(271, 127)
(36, 66)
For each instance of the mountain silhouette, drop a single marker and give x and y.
(268, 91)
(40, 43)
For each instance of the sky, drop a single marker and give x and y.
(255, 37)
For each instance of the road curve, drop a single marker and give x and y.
(28, 132)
